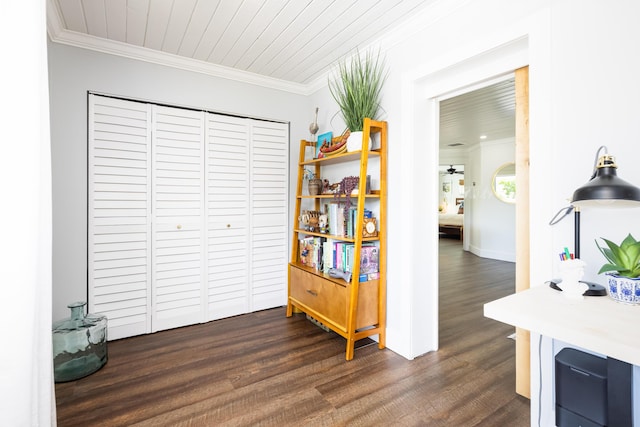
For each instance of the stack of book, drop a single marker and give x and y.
(324, 254)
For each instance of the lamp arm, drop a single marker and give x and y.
(561, 214)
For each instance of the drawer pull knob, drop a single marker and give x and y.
(179, 227)
(314, 293)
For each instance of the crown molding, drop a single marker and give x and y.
(58, 34)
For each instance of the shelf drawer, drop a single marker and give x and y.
(330, 300)
(323, 296)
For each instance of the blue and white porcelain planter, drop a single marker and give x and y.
(623, 289)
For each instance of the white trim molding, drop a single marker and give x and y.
(58, 34)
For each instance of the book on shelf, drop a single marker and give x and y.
(367, 277)
(342, 221)
(369, 259)
(311, 251)
(333, 218)
(327, 255)
(340, 255)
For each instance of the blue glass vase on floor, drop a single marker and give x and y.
(79, 344)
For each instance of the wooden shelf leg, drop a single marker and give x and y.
(289, 309)
(350, 349)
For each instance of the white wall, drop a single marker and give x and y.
(492, 223)
(26, 363)
(449, 156)
(73, 72)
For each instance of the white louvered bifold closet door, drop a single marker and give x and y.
(269, 184)
(119, 205)
(187, 215)
(227, 215)
(178, 244)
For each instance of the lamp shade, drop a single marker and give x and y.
(606, 188)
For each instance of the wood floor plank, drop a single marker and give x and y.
(264, 369)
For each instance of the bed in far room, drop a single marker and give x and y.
(451, 224)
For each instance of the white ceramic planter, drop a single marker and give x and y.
(623, 289)
(354, 141)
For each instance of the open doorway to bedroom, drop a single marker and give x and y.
(476, 138)
(477, 131)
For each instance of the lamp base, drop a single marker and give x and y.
(595, 290)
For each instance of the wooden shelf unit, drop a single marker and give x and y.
(354, 310)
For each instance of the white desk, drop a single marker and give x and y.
(599, 324)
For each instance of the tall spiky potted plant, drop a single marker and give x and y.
(356, 86)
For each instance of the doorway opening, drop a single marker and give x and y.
(490, 220)
(477, 134)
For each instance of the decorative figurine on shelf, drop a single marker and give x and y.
(310, 220)
(339, 274)
(304, 219)
(313, 221)
(333, 188)
(322, 222)
(326, 186)
(313, 127)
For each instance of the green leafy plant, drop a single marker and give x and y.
(623, 259)
(356, 87)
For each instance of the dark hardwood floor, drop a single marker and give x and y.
(268, 370)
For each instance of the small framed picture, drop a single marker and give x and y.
(324, 140)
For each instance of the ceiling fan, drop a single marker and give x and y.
(451, 170)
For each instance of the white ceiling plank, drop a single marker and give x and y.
(159, 14)
(200, 20)
(246, 27)
(177, 26)
(73, 15)
(273, 34)
(305, 68)
(252, 30)
(313, 22)
(95, 17)
(319, 34)
(137, 13)
(216, 28)
(303, 64)
(116, 14)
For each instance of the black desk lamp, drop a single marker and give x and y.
(604, 189)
